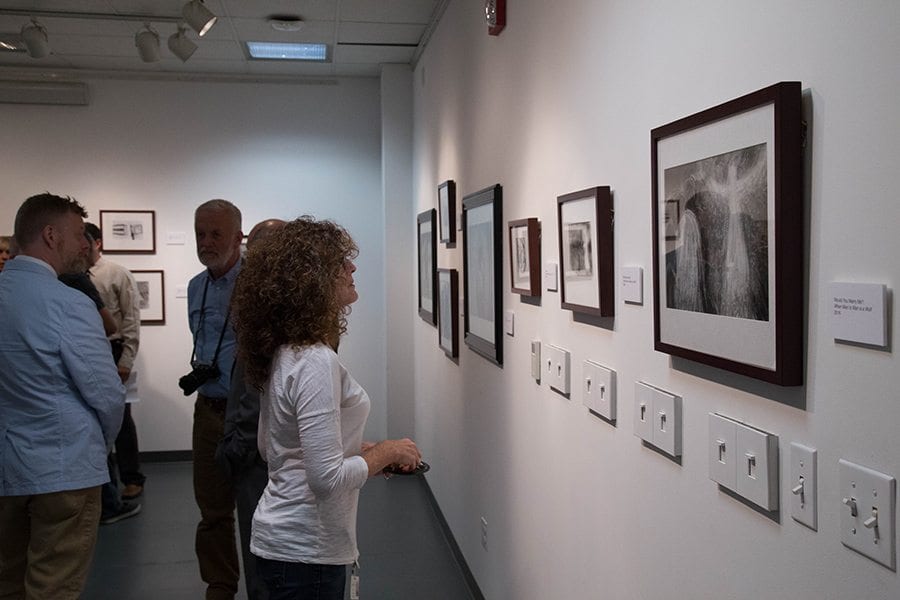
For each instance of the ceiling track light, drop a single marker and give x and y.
(200, 18)
(35, 38)
(147, 42)
(180, 45)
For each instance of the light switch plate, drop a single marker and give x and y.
(666, 425)
(536, 360)
(599, 390)
(757, 462)
(721, 449)
(803, 485)
(863, 491)
(556, 368)
(643, 407)
(181, 290)
(509, 323)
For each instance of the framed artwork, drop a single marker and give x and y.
(525, 256)
(128, 231)
(427, 245)
(482, 215)
(585, 230)
(728, 283)
(447, 211)
(448, 305)
(151, 296)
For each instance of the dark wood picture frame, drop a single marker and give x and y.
(151, 286)
(586, 263)
(448, 307)
(482, 220)
(737, 169)
(426, 240)
(525, 256)
(128, 231)
(447, 212)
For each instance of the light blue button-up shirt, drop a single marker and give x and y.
(61, 399)
(206, 332)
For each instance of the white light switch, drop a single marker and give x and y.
(757, 466)
(666, 426)
(868, 512)
(556, 368)
(536, 360)
(509, 323)
(803, 485)
(721, 451)
(643, 406)
(599, 390)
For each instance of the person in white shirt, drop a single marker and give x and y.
(290, 304)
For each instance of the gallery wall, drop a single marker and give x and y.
(273, 150)
(565, 99)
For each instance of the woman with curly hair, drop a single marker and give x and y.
(290, 304)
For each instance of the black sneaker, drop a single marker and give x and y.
(128, 509)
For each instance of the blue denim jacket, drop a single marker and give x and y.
(61, 399)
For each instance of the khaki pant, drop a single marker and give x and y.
(215, 543)
(47, 543)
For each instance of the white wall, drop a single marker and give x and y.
(562, 100)
(273, 150)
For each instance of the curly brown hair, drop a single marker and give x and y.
(286, 293)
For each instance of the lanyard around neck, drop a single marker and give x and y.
(200, 326)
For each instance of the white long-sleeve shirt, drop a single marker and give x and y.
(312, 416)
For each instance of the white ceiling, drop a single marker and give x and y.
(361, 36)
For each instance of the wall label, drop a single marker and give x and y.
(859, 313)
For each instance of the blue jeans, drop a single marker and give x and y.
(300, 581)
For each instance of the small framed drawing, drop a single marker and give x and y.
(427, 246)
(728, 276)
(482, 216)
(128, 231)
(447, 212)
(448, 305)
(525, 256)
(151, 296)
(585, 228)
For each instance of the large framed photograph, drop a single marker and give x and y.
(128, 231)
(448, 305)
(151, 296)
(727, 278)
(427, 246)
(447, 212)
(585, 228)
(482, 216)
(525, 256)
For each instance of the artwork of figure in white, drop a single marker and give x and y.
(577, 258)
(143, 294)
(718, 261)
(521, 264)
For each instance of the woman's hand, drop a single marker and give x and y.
(403, 453)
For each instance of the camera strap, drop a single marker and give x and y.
(200, 326)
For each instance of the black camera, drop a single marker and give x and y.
(200, 374)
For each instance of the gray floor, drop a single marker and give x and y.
(404, 555)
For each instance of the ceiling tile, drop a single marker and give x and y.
(373, 54)
(257, 30)
(380, 33)
(310, 10)
(388, 11)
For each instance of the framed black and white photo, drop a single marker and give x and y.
(448, 305)
(128, 231)
(585, 230)
(525, 256)
(482, 215)
(427, 246)
(151, 296)
(447, 212)
(727, 278)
